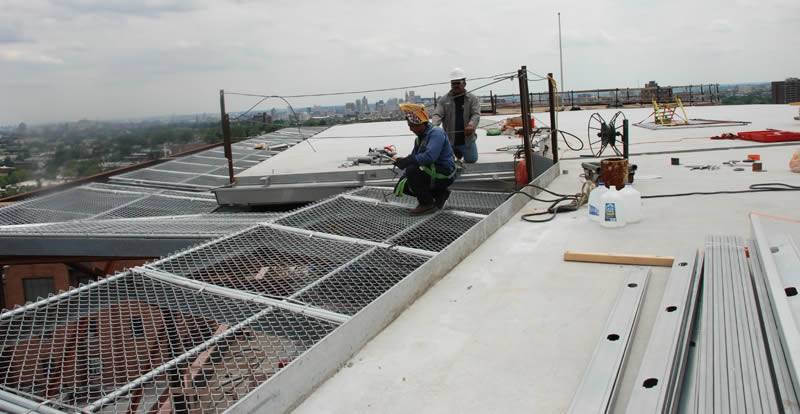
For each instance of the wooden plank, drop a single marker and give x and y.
(611, 258)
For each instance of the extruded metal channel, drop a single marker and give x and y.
(290, 386)
(597, 389)
(657, 384)
(786, 308)
(786, 391)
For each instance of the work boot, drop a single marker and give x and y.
(422, 209)
(441, 199)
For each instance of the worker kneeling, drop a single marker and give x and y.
(430, 168)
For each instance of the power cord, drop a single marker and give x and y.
(574, 201)
(755, 188)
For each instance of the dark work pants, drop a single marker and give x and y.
(423, 186)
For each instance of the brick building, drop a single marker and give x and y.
(26, 283)
(787, 91)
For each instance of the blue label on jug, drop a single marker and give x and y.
(611, 212)
(593, 211)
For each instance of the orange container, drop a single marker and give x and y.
(754, 157)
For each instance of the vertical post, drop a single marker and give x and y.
(553, 125)
(525, 116)
(560, 54)
(625, 151)
(226, 134)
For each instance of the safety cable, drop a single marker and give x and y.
(497, 79)
(311, 95)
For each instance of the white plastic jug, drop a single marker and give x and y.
(613, 209)
(632, 204)
(595, 198)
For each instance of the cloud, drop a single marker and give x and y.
(21, 56)
(127, 7)
(11, 32)
(578, 38)
(721, 26)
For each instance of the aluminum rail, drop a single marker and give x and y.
(658, 381)
(785, 389)
(786, 308)
(602, 378)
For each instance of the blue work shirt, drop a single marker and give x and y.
(432, 147)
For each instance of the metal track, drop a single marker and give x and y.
(597, 389)
(658, 382)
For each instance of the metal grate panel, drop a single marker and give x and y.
(361, 282)
(209, 181)
(200, 159)
(182, 173)
(157, 205)
(178, 166)
(263, 260)
(154, 175)
(351, 218)
(194, 225)
(133, 344)
(470, 201)
(437, 232)
(83, 200)
(106, 201)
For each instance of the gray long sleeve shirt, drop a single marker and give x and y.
(445, 115)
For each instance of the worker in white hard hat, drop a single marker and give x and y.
(459, 112)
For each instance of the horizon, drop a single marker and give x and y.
(110, 59)
(163, 117)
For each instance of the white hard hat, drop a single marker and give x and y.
(457, 74)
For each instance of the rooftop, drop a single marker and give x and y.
(468, 310)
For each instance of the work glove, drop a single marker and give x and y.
(403, 162)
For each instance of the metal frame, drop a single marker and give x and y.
(665, 358)
(289, 387)
(786, 308)
(320, 355)
(298, 188)
(602, 378)
(731, 367)
(786, 391)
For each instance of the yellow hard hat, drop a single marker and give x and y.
(415, 113)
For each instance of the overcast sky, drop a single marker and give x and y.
(64, 60)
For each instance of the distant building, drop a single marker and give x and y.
(653, 92)
(787, 91)
(364, 105)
